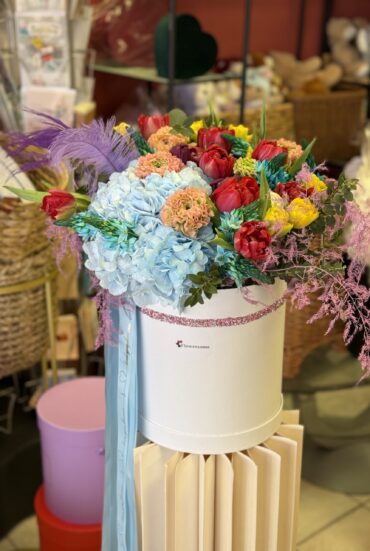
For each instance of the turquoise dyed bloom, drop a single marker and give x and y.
(273, 176)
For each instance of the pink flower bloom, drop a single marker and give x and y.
(158, 163)
(165, 140)
(187, 210)
(294, 150)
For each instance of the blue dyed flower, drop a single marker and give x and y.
(274, 175)
(161, 263)
(155, 265)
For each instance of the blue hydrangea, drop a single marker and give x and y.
(156, 267)
(139, 201)
(161, 263)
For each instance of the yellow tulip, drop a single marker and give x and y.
(316, 183)
(196, 126)
(277, 220)
(276, 200)
(121, 128)
(241, 131)
(302, 212)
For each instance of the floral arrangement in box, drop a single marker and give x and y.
(182, 208)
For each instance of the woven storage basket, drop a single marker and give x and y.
(336, 119)
(302, 338)
(25, 255)
(279, 120)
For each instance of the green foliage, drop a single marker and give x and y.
(204, 284)
(231, 221)
(28, 194)
(177, 117)
(181, 124)
(86, 224)
(310, 159)
(223, 240)
(265, 198)
(141, 144)
(277, 162)
(298, 163)
(333, 204)
(240, 269)
(239, 146)
(212, 119)
(263, 122)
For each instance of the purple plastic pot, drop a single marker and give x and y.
(71, 420)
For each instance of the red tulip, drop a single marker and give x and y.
(149, 124)
(234, 193)
(56, 202)
(252, 240)
(292, 190)
(267, 149)
(213, 136)
(216, 163)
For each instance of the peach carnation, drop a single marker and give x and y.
(165, 140)
(158, 163)
(187, 210)
(294, 149)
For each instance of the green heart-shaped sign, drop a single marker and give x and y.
(195, 51)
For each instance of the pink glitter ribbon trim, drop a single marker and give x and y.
(218, 322)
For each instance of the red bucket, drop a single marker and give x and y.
(57, 535)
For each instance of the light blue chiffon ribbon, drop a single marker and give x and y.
(119, 518)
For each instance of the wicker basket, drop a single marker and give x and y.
(301, 339)
(336, 119)
(25, 255)
(279, 120)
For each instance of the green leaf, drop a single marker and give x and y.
(262, 133)
(251, 211)
(297, 165)
(222, 243)
(185, 131)
(329, 209)
(265, 198)
(318, 226)
(177, 117)
(212, 119)
(277, 162)
(330, 221)
(28, 194)
(253, 272)
(195, 278)
(348, 195)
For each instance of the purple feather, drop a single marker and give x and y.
(39, 138)
(96, 145)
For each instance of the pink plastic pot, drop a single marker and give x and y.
(71, 419)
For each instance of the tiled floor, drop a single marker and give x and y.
(328, 522)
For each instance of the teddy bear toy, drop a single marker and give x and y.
(308, 76)
(349, 41)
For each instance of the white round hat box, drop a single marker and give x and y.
(210, 378)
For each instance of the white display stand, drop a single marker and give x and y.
(213, 389)
(245, 501)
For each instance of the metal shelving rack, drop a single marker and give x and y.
(150, 75)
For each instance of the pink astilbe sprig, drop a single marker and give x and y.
(65, 241)
(357, 240)
(107, 332)
(341, 297)
(313, 264)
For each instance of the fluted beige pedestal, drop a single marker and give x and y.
(243, 501)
